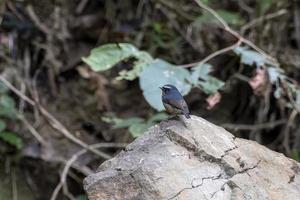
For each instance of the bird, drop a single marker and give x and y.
(173, 101)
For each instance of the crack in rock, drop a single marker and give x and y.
(230, 183)
(196, 186)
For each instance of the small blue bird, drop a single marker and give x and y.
(173, 101)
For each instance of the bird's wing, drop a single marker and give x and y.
(179, 104)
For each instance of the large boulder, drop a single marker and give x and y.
(194, 161)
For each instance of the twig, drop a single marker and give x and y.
(52, 120)
(286, 132)
(32, 130)
(177, 28)
(261, 19)
(36, 20)
(174, 7)
(61, 128)
(216, 53)
(254, 126)
(74, 158)
(14, 186)
(234, 33)
(16, 91)
(81, 5)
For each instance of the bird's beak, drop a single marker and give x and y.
(161, 88)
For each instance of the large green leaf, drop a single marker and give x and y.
(158, 74)
(106, 56)
(12, 139)
(138, 67)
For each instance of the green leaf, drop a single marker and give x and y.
(206, 2)
(211, 85)
(2, 125)
(124, 123)
(158, 74)
(158, 117)
(200, 78)
(200, 71)
(275, 74)
(264, 5)
(7, 107)
(107, 56)
(81, 197)
(138, 67)
(295, 155)
(12, 139)
(3, 88)
(137, 130)
(158, 27)
(250, 57)
(230, 17)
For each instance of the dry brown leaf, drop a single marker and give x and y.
(213, 100)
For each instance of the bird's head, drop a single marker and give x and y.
(166, 89)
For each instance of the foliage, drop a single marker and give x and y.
(295, 155)
(276, 75)
(82, 197)
(107, 56)
(250, 57)
(12, 139)
(230, 17)
(8, 111)
(164, 73)
(264, 5)
(135, 125)
(201, 78)
(152, 73)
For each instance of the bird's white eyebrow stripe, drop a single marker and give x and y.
(167, 87)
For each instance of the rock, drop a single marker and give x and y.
(192, 162)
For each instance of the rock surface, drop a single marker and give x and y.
(194, 162)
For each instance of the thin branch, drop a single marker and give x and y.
(32, 130)
(74, 158)
(216, 53)
(16, 91)
(14, 186)
(177, 28)
(36, 20)
(254, 126)
(236, 34)
(215, 14)
(286, 132)
(261, 19)
(52, 120)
